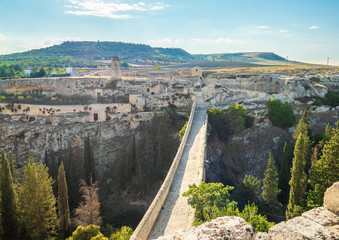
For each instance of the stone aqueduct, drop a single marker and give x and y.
(169, 210)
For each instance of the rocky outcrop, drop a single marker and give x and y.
(315, 224)
(231, 228)
(331, 198)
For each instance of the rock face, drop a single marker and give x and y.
(331, 198)
(222, 228)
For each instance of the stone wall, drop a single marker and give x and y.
(62, 86)
(90, 111)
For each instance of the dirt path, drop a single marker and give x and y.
(176, 213)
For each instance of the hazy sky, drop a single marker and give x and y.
(302, 30)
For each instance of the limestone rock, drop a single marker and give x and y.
(331, 198)
(322, 216)
(317, 223)
(262, 236)
(282, 232)
(222, 228)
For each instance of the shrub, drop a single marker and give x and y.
(318, 101)
(211, 200)
(217, 119)
(332, 99)
(206, 199)
(124, 234)
(280, 114)
(90, 232)
(182, 131)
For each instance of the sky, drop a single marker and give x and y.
(302, 30)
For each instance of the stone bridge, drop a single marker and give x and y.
(169, 211)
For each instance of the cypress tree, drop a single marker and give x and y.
(89, 169)
(64, 222)
(298, 180)
(325, 171)
(270, 188)
(284, 175)
(303, 126)
(37, 201)
(13, 167)
(9, 201)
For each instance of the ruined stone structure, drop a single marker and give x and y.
(116, 71)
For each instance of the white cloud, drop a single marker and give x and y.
(12, 44)
(314, 27)
(114, 10)
(283, 31)
(2, 37)
(165, 42)
(263, 27)
(218, 40)
(54, 41)
(312, 45)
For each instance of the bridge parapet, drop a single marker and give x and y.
(146, 224)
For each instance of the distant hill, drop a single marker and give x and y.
(93, 54)
(85, 53)
(261, 58)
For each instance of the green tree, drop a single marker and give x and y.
(247, 191)
(236, 117)
(182, 131)
(89, 210)
(124, 65)
(217, 119)
(125, 233)
(91, 232)
(303, 126)
(325, 171)
(64, 222)
(298, 182)
(280, 114)
(270, 188)
(89, 168)
(156, 67)
(284, 175)
(13, 167)
(8, 202)
(36, 201)
(205, 197)
(257, 221)
(211, 200)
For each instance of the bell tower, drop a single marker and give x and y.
(116, 72)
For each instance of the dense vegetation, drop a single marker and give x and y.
(86, 54)
(309, 165)
(280, 114)
(331, 99)
(212, 200)
(222, 124)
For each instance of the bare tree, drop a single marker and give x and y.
(88, 211)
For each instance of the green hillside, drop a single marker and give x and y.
(261, 58)
(80, 54)
(94, 54)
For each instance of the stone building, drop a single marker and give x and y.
(116, 71)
